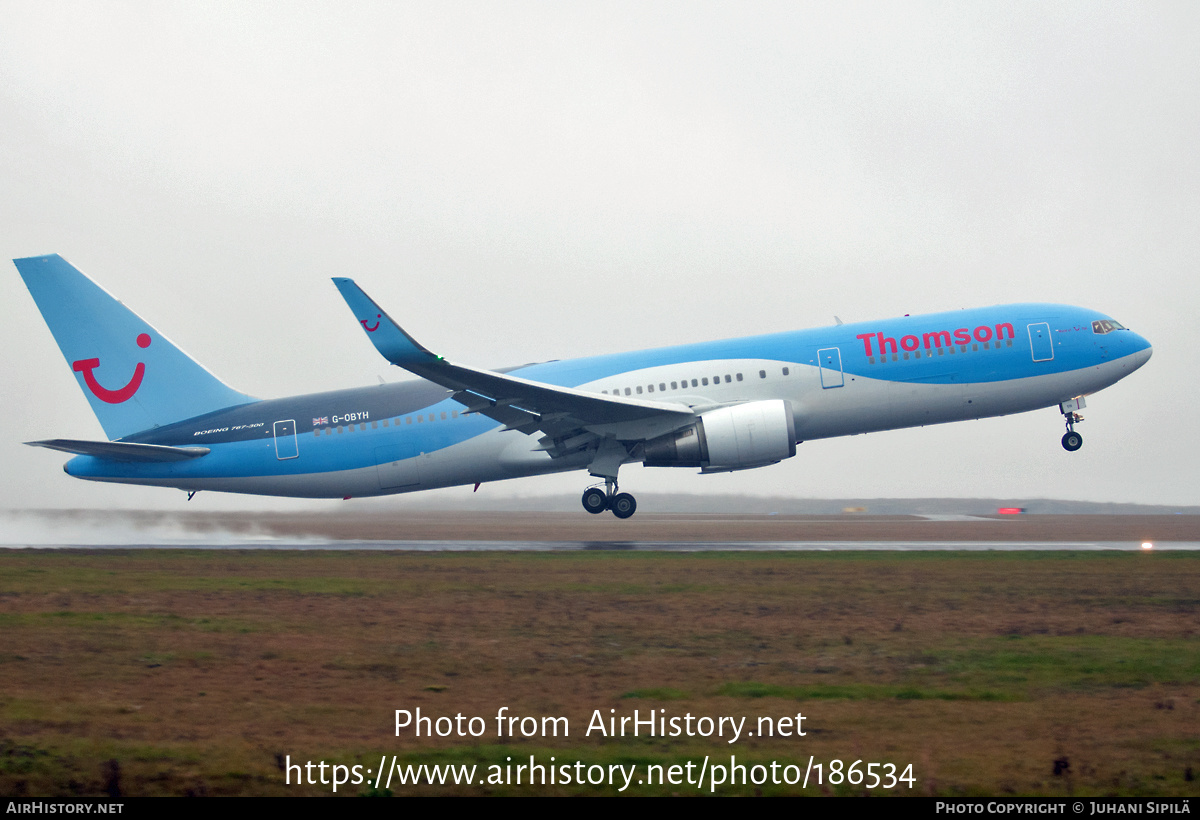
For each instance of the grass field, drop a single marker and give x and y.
(175, 671)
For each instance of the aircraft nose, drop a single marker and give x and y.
(1143, 351)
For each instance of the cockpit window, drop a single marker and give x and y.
(1103, 326)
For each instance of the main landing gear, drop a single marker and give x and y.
(596, 500)
(1072, 441)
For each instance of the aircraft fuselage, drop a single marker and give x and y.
(839, 380)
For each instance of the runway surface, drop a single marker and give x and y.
(541, 532)
(636, 546)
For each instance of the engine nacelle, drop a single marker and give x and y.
(731, 438)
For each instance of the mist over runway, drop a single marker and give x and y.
(633, 546)
(444, 531)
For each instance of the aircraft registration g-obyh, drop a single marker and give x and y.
(717, 406)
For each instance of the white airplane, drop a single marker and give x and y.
(717, 406)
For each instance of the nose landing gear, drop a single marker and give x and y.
(1072, 441)
(597, 501)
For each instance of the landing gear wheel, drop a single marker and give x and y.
(623, 505)
(1072, 441)
(594, 500)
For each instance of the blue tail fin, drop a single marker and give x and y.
(132, 375)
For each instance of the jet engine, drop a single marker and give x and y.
(732, 438)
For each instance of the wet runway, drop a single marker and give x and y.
(565, 532)
(632, 546)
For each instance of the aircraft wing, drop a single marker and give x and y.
(569, 418)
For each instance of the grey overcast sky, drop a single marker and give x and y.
(523, 181)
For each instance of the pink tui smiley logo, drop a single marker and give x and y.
(363, 322)
(86, 366)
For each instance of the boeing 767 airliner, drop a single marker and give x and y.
(716, 406)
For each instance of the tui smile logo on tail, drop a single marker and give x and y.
(86, 366)
(363, 322)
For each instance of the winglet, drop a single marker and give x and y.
(388, 337)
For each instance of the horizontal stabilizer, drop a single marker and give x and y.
(121, 450)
